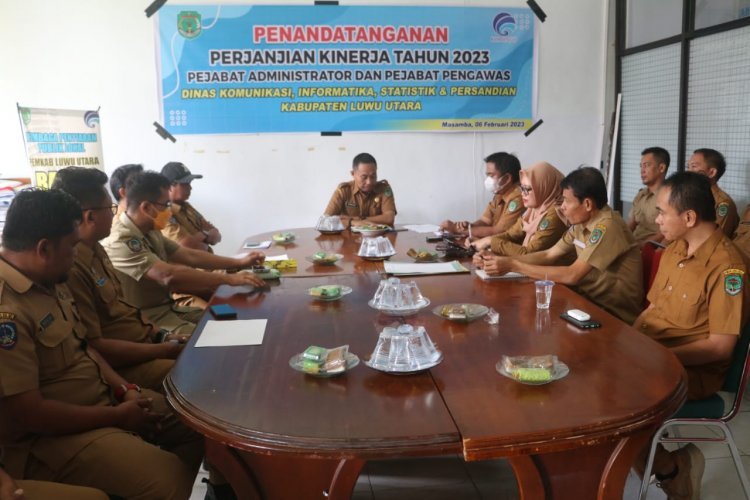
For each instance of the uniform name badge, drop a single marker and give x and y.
(579, 243)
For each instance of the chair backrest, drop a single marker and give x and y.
(739, 371)
(650, 257)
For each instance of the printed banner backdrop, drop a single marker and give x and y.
(59, 138)
(248, 69)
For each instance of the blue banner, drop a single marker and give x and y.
(248, 69)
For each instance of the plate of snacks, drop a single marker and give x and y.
(370, 229)
(422, 255)
(329, 292)
(462, 313)
(532, 370)
(283, 238)
(321, 362)
(324, 258)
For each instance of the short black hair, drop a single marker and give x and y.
(37, 214)
(587, 182)
(713, 159)
(661, 155)
(119, 178)
(366, 158)
(506, 163)
(145, 186)
(84, 184)
(691, 191)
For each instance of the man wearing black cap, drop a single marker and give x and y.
(186, 226)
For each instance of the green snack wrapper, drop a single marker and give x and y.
(532, 374)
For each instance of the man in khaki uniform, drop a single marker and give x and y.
(506, 206)
(642, 220)
(742, 236)
(65, 415)
(698, 308)
(363, 199)
(151, 266)
(117, 182)
(607, 269)
(130, 343)
(711, 163)
(45, 490)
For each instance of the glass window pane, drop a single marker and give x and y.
(718, 104)
(720, 11)
(650, 110)
(650, 20)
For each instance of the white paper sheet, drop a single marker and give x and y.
(272, 258)
(257, 245)
(422, 228)
(232, 332)
(507, 276)
(408, 268)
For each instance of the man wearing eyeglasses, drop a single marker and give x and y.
(506, 206)
(151, 266)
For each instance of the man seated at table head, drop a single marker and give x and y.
(642, 219)
(502, 176)
(607, 268)
(698, 306)
(65, 414)
(742, 236)
(711, 163)
(187, 226)
(117, 182)
(363, 199)
(541, 224)
(150, 265)
(129, 342)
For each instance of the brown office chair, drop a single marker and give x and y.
(650, 257)
(710, 412)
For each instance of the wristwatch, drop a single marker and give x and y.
(123, 389)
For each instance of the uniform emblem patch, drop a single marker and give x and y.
(544, 224)
(173, 220)
(596, 234)
(135, 245)
(8, 335)
(722, 210)
(733, 281)
(512, 206)
(101, 281)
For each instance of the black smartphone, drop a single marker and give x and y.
(223, 311)
(433, 239)
(591, 323)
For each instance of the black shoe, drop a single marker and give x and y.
(219, 491)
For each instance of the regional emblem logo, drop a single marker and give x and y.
(189, 23)
(733, 281)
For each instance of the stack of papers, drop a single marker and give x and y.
(233, 332)
(507, 276)
(254, 245)
(409, 269)
(422, 228)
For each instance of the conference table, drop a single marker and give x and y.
(276, 433)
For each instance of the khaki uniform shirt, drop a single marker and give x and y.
(742, 237)
(616, 281)
(548, 232)
(99, 298)
(503, 210)
(644, 214)
(694, 296)
(42, 348)
(350, 201)
(132, 253)
(726, 211)
(185, 221)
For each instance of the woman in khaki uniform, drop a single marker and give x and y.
(541, 225)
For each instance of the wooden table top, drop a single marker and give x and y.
(620, 381)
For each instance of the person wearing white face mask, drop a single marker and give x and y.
(506, 206)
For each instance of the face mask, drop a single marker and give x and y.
(161, 219)
(490, 184)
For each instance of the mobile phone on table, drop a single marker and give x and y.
(223, 311)
(589, 323)
(433, 239)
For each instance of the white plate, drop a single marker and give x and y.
(377, 258)
(320, 262)
(473, 311)
(407, 372)
(558, 371)
(402, 311)
(345, 290)
(352, 360)
(330, 231)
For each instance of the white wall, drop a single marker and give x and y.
(82, 54)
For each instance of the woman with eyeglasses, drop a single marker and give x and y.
(540, 226)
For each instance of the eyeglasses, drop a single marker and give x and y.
(525, 189)
(165, 205)
(112, 208)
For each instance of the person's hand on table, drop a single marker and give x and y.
(480, 244)
(478, 260)
(495, 265)
(252, 259)
(454, 227)
(245, 278)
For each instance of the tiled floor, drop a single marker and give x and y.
(452, 478)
